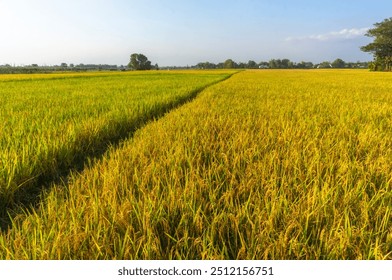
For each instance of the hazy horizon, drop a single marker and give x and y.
(184, 33)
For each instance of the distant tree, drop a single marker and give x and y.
(285, 63)
(338, 63)
(206, 65)
(200, 65)
(274, 63)
(252, 64)
(281, 63)
(309, 65)
(381, 47)
(139, 62)
(263, 64)
(229, 64)
(64, 65)
(220, 65)
(301, 65)
(209, 65)
(241, 65)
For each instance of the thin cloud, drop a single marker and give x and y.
(334, 35)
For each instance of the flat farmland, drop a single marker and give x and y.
(52, 123)
(274, 164)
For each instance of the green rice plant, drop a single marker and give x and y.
(265, 165)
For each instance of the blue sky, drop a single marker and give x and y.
(174, 32)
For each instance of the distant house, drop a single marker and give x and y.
(324, 65)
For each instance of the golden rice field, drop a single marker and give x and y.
(270, 164)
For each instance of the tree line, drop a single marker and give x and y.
(145, 64)
(63, 67)
(280, 64)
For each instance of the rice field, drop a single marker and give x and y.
(52, 123)
(285, 164)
